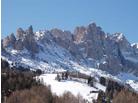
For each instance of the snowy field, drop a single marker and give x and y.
(67, 85)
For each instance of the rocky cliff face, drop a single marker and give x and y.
(22, 40)
(90, 45)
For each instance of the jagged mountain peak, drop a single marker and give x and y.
(20, 33)
(89, 46)
(118, 36)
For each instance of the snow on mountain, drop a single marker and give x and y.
(133, 84)
(134, 45)
(127, 76)
(47, 59)
(88, 50)
(118, 36)
(129, 79)
(129, 56)
(122, 78)
(100, 87)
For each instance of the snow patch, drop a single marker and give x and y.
(67, 85)
(134, 44)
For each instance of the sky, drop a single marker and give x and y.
(112, 15)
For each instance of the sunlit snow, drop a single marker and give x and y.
(68, 85)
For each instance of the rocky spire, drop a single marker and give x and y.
(30, 30)
(29, 41)
(19, 33)
(9, 40)
(12, 38)
(79, 33)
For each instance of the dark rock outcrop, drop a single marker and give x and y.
(9, 41)
(29, 41)
(20, 33)
(19, 45)
(24, 40)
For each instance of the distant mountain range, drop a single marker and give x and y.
(88, 47)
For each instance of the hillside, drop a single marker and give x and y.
(88, 50)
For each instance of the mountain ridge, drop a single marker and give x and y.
(88, 45)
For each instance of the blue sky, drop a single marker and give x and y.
(111, 15)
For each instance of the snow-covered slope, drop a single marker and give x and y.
(68, 85)
(87, 92)
(50, 56)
